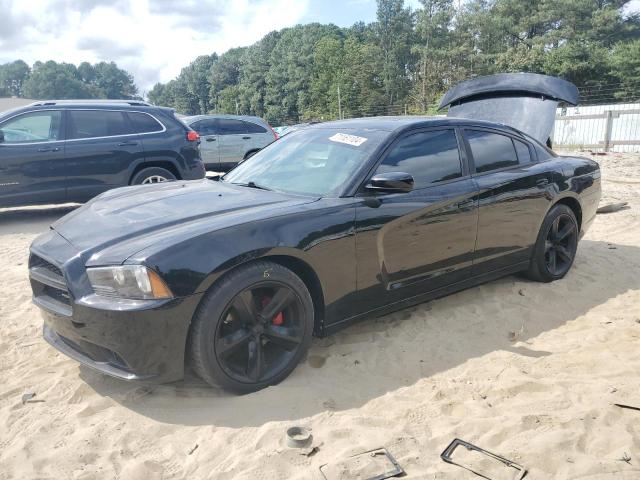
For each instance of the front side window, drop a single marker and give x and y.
(229, 126)
(429, 157)
(96, 123)
(205, 127)
(491, 151)
(33, 127)
(143, 123)
(313, 161)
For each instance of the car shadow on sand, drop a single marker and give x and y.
(31, 220)
(381, 355)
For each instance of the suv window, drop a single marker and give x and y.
(229, 126)
(491, 151)
(205, 127)
(429, 157)
(144, 123)
(96, 123)
(33, 127)
(254, 128)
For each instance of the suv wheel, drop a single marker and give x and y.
(252, 328)
(152, 175)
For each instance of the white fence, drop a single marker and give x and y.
(610, 128)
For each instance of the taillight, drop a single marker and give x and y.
(193, 136)
(274, 132)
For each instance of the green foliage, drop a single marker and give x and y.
(52, 80)
(406, 59)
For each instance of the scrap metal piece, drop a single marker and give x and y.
(298, 437)
(448, 452)
(613, 207)
(393, 468)
(526, 101)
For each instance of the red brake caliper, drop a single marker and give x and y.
(279, 318)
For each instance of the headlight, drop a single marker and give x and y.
(128, 281)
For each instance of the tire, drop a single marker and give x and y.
(558, 238)
(152, 175)
(250, 154)
(236, 343)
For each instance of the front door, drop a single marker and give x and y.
(100, 149)
(32, 163)
(234, 142)
(412, 243)
(209, 141)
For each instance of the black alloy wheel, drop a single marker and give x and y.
(556, 246)
(559, 247)
(252, 328)
(260, 332)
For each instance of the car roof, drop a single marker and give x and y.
(392, 124)
(249, 118)
(129, 105)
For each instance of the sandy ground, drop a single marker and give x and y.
(526, 370)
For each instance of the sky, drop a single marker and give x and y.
(155, 39)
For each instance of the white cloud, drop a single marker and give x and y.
(152, 39)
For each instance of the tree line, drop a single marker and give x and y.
(407, 58)
(52, 80)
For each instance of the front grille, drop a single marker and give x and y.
(47, 282)
(36, 261)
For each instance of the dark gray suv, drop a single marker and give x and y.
(70, 151)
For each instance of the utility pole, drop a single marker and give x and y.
(339, 104)
(236, 107)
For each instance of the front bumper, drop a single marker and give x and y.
(127, 339)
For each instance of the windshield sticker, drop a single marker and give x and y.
(348, 139)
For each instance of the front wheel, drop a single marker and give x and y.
(556, 246)
(252, 329)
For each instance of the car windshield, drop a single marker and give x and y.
(313, 161)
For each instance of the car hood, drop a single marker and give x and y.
(130, 217)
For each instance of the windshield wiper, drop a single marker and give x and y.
(252, 184)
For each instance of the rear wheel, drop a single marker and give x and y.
(252, 329)
(152, 175)
(556, 245)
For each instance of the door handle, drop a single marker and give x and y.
(465, 203)
(127, 144)
(542, 182)
(211, 139)
(246, 138)
(49, 149)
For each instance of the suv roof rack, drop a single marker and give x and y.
(136, 103)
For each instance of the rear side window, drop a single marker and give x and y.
(522, 149)
(143, 123)
(33, 127)
(254, 128)
(491, 151)
(430, 157)
(205, 127)
(229, 126)
(96, 123)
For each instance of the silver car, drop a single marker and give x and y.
(229, 139)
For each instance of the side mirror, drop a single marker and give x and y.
(391, 182)
(1, 136)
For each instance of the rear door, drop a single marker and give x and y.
(260, 136)
(234, 141)
(32, 163)
(416, 242)
(512, 197)
(209, 143)
(100, 147)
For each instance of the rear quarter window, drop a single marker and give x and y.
(144, 123)
(254, 128)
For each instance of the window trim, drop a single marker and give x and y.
(63, 127)
(164, 128)
(127, 114)
(472, 164)
(464, 165)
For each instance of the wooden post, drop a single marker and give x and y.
(607, 130)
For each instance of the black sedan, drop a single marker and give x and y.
(333, 223)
